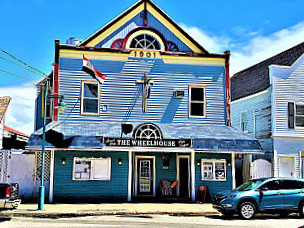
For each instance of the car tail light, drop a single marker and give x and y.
(8, 192)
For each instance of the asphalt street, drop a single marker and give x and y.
(154, 221)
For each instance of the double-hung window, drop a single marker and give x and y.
(244, 121)
(214, 170)
(299, 116)
(90, 98)
(92, 169)
(197, 101)
(295, 115)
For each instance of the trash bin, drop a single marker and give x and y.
(201, 193)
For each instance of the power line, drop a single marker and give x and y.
(20, 66)
(18, 76)
(22, 62)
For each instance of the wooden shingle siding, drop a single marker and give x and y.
(66, 188)
(259, 118)
(213, 186)
(123, 96)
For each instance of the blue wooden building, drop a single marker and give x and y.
(158, 127)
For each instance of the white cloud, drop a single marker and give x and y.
(257, 49)
(20, 113)
(211, 43)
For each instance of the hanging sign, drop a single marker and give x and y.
(132, 142)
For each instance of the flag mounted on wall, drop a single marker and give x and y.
(88, 67)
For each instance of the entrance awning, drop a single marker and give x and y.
(88, 135)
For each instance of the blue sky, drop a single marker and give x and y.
(252, 30)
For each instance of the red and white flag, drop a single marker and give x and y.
(88, 67)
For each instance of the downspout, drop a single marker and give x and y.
(56, 79)
(227, 88)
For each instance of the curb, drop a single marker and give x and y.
(100, 213)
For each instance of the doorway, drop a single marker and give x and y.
(286, 167)
(145, 176)
(183, 176)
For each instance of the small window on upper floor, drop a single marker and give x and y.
(145, 39)
(299, 116)
(145, 42)
(244, 121)
(197, 101)
(295, 115)
(90, 98)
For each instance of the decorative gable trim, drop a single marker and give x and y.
(113, 25)
(127, 15)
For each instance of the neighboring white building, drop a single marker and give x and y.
(268, 104)
(16, 166)
(4, 102)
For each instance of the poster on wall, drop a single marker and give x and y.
(220, 173)
(82, 169)
(207, 170)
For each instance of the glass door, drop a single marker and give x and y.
(145, 176)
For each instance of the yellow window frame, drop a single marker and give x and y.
(204, 102)
(83, 82)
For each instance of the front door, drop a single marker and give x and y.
(145, 177)
(183, 176)
(286, 166)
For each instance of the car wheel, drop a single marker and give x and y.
(247, 210)
(301, 209)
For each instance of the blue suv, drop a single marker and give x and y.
(267, 195)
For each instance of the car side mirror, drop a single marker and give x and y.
(263, 189)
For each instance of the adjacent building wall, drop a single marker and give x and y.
(258, 107)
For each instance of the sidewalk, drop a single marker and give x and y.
(73, 210)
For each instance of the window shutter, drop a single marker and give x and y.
(290, 115)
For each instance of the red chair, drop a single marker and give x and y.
(201, 193)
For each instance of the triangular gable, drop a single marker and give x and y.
(4, 102)
(140, 6)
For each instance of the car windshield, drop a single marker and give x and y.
(249, 185)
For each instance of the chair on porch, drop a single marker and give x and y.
(165, 188)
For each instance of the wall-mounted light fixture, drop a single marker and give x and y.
(198, 162)
(62, 161)
(119, 161)
(229, 164)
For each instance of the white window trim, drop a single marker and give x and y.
(82, 97)
(204, 102)
(245, 111)
(213, 161)
(295, 114)
(145, 31)
(92, 168)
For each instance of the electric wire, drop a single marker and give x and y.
(15, 75)
(19, 60)
(20, 66)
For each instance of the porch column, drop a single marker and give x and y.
(130, 177)
(233, 170)
(192, 176)
(275, 164)
(51, 190)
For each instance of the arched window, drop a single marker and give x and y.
(145, 39)
(145, 42)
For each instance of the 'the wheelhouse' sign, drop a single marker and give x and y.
(131, 142)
